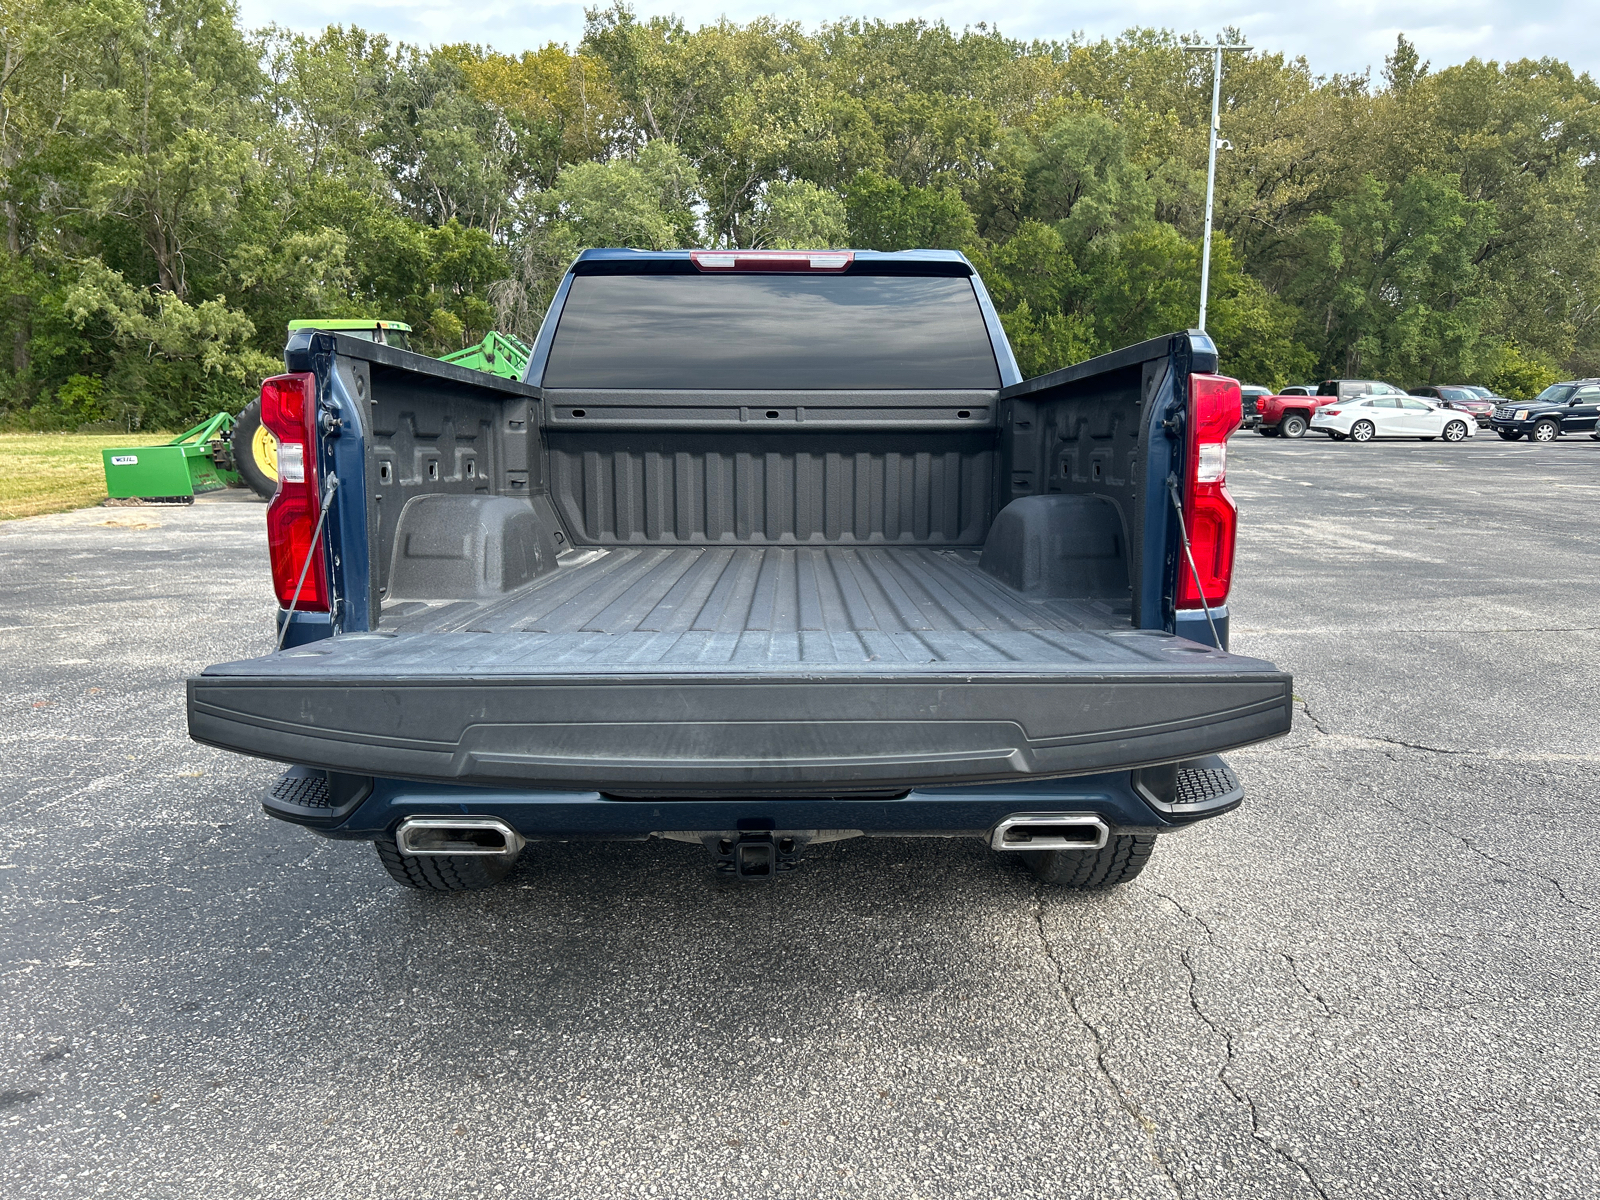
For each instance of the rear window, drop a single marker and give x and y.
(779, 331)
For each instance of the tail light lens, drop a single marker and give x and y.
(1332, 412)
(1208, 510)
(288, 408)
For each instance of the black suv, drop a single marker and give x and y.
(1571, 407)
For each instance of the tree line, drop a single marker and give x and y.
(176, 188)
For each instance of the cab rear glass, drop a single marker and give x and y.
(771, 331)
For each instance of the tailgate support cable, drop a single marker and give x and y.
(316, 536)
(1183, 534)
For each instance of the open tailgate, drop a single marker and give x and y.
(462, 708)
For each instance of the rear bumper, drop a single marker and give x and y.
(355, 808)
(709, 734)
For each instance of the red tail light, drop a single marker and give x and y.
(288, 408)
(1208, 510)
(1332, 412)
(772, 260)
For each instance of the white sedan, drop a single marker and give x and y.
(1391, 417)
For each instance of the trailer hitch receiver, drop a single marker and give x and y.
(757, 857)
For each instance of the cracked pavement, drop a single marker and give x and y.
(1377, 979)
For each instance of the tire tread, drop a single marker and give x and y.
(1118, 861)
(441, 873)
(240, 439)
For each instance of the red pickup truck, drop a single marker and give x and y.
(1289, 415)
(1286, 415)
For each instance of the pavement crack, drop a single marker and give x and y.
(1400, 944)
(1102, 1069)
(1387, 741)
(1241, 1095)
(1294, 968)
(1473, 847)
(1371, 738)
(1305, 707)
(1211, 934)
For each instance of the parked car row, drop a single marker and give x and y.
(1363, 409)
(1290, 412)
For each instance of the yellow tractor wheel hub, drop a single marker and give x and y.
(264, 449)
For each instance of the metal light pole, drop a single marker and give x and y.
(1211, 167)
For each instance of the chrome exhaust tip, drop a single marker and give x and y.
(1050, 831)
(422, 836)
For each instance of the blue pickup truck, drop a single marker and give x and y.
(765, 550)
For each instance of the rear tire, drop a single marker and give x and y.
(1292, 426)
(1546, 431)
(443, 872)
(251, 444)
(1363, 431)
(1456, 431)
(1118, 861)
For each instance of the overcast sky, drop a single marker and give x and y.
(1335, 35)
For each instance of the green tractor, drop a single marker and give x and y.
(255, 450)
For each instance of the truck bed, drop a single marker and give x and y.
(754, 608)
(705, 670)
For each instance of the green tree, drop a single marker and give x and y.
(1389, 282)
(45, 51)
(885, 214)
(169, 112)
(799, 215)
(179, 359)
(166, 177)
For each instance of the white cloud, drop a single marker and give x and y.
(1335, 35)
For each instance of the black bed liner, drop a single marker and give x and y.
(745, 669)
(760, 606)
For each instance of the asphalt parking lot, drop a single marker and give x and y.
(1377, 979)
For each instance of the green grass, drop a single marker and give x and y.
(53, 472)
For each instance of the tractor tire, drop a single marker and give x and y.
(1118, 861)
(255, 452)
